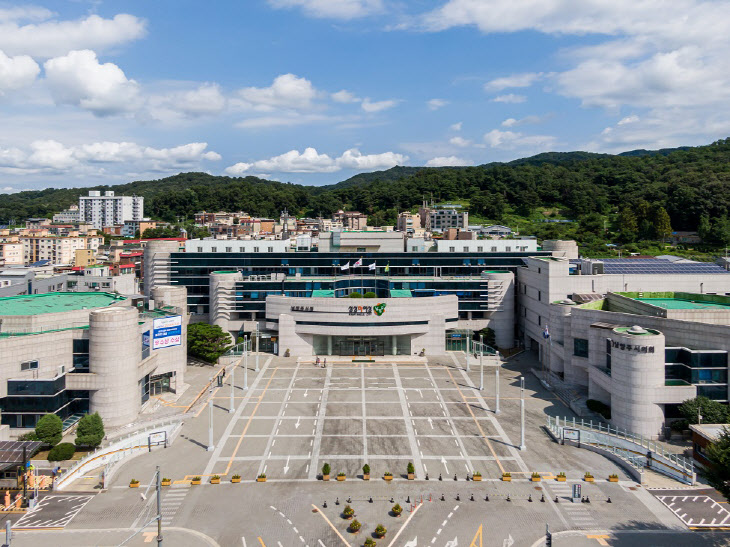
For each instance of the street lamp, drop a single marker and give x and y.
(496, 388)
(522, 413)
(245, 363)
(468, 348)
(481, 362)
(211, 446)
(156, 480)
(258, 344)
(233, 376)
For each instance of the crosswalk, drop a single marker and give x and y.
(171, 502)
(578, 513)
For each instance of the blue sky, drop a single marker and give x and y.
(314, 91)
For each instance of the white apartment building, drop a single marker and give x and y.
(67, 216)
(109, 210)
(57, 249)
(486, 245)
(11, 254)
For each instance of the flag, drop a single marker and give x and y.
(372, 266)
(387, 267)
(357, 264)
(346, 266)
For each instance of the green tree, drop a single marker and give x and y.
(711, 411)
(49, 429)
(720, 233)
(490, 339)
(662, 224)
(90, 430)
(207, 342)
(628, 225)
(718, 453)
(704, 230)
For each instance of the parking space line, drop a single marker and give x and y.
(320, 424)
(409, 423)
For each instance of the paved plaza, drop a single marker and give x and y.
(295, 417)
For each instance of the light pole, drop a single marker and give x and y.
(245, 363)
(496, 388)
(468, 348)
(233, 376)
(481, 362)
(258, 343)
(211, 447)
(522, 413)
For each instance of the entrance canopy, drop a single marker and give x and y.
(11, 452)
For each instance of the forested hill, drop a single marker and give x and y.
(688, 183)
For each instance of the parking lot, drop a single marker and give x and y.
(697, 508)
(300, 417)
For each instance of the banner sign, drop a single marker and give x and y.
(571, 434)
(167, 332)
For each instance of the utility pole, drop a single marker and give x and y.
(468, 348)
(159, 507)
(211, 447)
(522, 413)
(245, 363)
(481, 362)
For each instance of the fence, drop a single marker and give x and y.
(127, 445)
(635, 449)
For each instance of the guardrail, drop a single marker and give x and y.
(636, 449)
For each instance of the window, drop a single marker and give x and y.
(271, 249)
(240, 249)
(480, 249)
(29, 365)
(508, 249)
(494, 249)
(539, 320)
(414, 248)
(214, 249)
(580, 347)
(452, 249)
(539, 296)
(255, 249)
(229, 249)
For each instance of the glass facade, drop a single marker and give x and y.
(705, 369)
(28, 400)
(432, 274)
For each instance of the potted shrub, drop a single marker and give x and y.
(536, 477)
(388, 476)
(326, 472)
(215, 479)
(341, 476)
(397, 510)
(588, 477)
(348, 512)
(165, 482)
(134, 483)
(261, 478)
(287, 353)
(380, 531)
(613, 478)
(411, 471)
(366, 472)
(476, 476)
(507, 477)
(561, 477)
(355, 526)
(370, 542)
(236, 478)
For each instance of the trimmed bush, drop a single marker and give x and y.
(370, 294)
(355, 526)
(366, 469)
(49, 429)
(326, 469)
(597, 406)
(61, 452)
(410, 469)
(90, 431)
(354, 294)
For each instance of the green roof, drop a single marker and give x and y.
(323, 293)
(400, 293)
(680, 304)
(56, 302)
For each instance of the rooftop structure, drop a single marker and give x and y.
(37, 304)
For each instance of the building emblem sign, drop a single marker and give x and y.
(379, 309)
(632, 347)
(302, 308)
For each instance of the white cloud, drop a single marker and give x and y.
(376, 106)
(345, 97)
(460, 142)
(447, 161)
(311, 161)
(516, 80)
(628, 119)
(79, 79)
(512, 122)
(510, 98)
(24, 13)
(54, 157)
(204, 100)
(17, 72)
(435, 104)
(289, 119)
(456, 126)
(334, 9)
(52, 38)
(511, 140)
(286, 92)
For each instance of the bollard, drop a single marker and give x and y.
(440, 477)
(324, 504)
(472, 497)
(408, 499)
(457, 497)
(608, 500)
(337, 501)
(426, 476)
(443, 498)
(588, 500)
(421, 498)
(391, 500)
(370, 500)
(455, 476)
(467, 477)
(429, 497)
(556, 499)
(582, 500)
(349, 500)
(542, 498)
(486, 498)
(529, 498)
(508, 498)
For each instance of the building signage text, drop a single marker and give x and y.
(167, 332)
(632, 347)
(302, 308)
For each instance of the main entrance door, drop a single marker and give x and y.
(359, 345)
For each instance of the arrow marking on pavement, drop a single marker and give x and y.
(296, 425)
(286, 467)
(412, 543)
(430, 422)
(443, 461)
